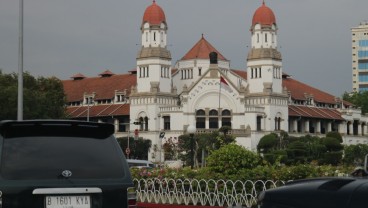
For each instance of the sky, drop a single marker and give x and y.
(66, 37)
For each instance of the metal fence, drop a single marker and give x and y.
(223, 193)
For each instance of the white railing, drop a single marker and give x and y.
(201, 192)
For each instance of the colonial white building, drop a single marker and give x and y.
(255, 101)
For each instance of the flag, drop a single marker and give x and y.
(224, 84)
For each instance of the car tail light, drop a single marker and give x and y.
(132, 198)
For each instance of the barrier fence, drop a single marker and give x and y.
(222, 193)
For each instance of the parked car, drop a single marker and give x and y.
(133, 163)
(318, 193)
(62, 163)
(325, 192)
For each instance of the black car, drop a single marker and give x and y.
(318, 193)
(62, 164)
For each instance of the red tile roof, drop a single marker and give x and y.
(104, 87)
(78, 76)
(241, 73)
(106, 73)
(98, 110)
(299, 90)
(201, 50)
(314, 112)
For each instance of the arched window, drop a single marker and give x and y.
(277, 123)
(226, 113)
(146, 123)
(141, 124)
(226, 118)
(213, 119)
(201, 119)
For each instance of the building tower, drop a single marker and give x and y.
(360, 57)
(154, 60)
(264, 62)
(264, 74)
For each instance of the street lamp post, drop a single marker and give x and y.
(20, 64)
(191, 130)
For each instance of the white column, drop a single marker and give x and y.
(116, 124)
(351, 131)
(342, 127)
(318, 127)
(295, 125)
(306, 126)
(329, 126)
(359, 128)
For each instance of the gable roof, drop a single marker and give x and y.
(201, 50)
(103, 87)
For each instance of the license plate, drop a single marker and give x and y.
(68, 201)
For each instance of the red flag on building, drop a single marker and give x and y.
(224, 84)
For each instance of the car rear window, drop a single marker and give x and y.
(47, 157)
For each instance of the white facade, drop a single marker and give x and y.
(262, 99)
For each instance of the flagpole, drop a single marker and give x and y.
(220, 95)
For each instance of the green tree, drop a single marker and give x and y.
(354, 154)
(359, 99)
(43, 98)
(138, 148)
(204, 142)
(170, 149)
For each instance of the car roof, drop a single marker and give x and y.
(67, 128)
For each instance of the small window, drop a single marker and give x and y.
(166, 122)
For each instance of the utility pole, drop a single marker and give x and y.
(20, 64)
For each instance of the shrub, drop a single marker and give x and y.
(277, 156)
(267, 142)
(354, 154)
(231, 158)
(335, 135)
(333, 158)
(332, 144)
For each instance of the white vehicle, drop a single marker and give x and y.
(140, 163)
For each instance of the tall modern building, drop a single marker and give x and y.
(360, 57)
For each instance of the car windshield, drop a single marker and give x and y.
(47, 157)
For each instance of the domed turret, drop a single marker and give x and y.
(264, 16)
(154, 59)
(264, 61)
(154, 15)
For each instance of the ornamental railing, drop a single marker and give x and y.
(201, 192)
